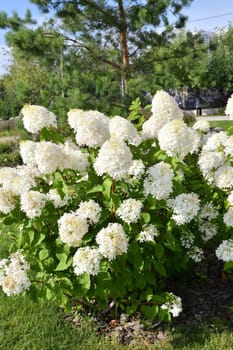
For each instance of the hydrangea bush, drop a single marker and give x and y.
(106, 216)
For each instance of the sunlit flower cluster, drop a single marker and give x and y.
(158, 181)
(87, 259)
(89, 211)
(71, 229)
(114, 158)
(35, 118)
(7, 200)
(185, 207)
(148, 234)
(130, 210)
(124, 130)
(201, 125)
(13, 274)
(91, 127)
(32, 203)
(112, 241)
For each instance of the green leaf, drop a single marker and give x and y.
(107, 187)
(131, 309)
(160, 268)
(159, 251)
(145, 217)
(95, 189)
(150, 311)
(43, 254)
(64, 262)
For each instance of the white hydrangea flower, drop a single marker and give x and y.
(55, 197)
(196, 254)
(112, 241)
(13, 274)
(225, 250)
(49, 157)
(165, 108)
(148, 233)
(178, 140)
(32, 203)
(228, 150)
(209, 161)
(87, 259)
(229, 107)
(35, 118)
(74, 158)
(216, 142)
(130, 210)
(7, 200)
(224, 177)
(174, 306)
(158, 181)
(185, 207)
(71, 229)
(114, 158)
(228, 217)
(137, 168)
(230, 198)
(124, 130)
(89, 211)
(151, 127)
(19, 179)
(27, 152)
(187, 239)
(91, 127)
(208, 230)
(208, 212)
(201, 125)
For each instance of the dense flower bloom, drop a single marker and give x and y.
(178, 140)
(91, 127)
(165, 107)
(225, 250)
(55, 197)
(89, 211)
(19, 179)
(208, 212)
(86, 259)
(229, 107)
(49, 157)
(130, 210)
(209, 161)
(137, 168)
(228, 217)
(201, 125)
(216, 142)
(112, 241)
(230, 198)
(13, 274)
(187, 239)
(158, 181)
(35, 118)
(148, 233)
(7, 200)
(208, 230)
(32, 203)
(27, 152)
(114, 158)
(185, 207)
(124, 130)
(224, 177)
(174, 305)
(74, 158)
(72, 228)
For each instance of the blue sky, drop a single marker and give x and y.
(203, 14)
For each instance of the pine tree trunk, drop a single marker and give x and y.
(124, 46)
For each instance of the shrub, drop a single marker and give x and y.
(106, 220)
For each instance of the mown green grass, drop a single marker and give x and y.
(226, 125)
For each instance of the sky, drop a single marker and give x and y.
(207, 15)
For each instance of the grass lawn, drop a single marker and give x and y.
(226, 125)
